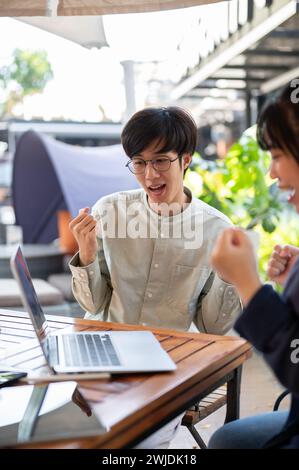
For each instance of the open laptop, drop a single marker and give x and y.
(102, 351)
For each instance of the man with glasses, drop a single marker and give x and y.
(144, 254)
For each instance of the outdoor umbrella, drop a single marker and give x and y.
(88, 31)
(90, 7)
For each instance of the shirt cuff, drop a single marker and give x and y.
(83, 273)
(226, 294)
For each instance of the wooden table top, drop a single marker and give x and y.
(130, 405)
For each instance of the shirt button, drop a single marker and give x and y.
(156, 265)
(91, 273)
(221, 289)
(81, 275)
(87, 294)
(224, 314)
(230, 292)
(149, 294)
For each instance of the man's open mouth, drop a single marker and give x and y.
(158, 188)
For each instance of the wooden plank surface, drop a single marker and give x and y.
(131, 404)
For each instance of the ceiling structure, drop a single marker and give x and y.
(250, 59)
(259, 67)
(256, 59)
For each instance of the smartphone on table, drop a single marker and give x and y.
(8, 377)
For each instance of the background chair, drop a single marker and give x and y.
(201, 410)
(279, 399)
(50, 298)
(227, 393)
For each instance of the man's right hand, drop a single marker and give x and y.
(281, 262)
(83, 228)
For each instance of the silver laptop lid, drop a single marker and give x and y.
(29, 298)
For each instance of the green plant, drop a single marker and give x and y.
(287, 232)
(240, 187)
(27, 74)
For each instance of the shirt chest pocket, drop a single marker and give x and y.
(185, 286)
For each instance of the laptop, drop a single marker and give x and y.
(99, 351)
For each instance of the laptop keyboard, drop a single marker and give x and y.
(89, 350)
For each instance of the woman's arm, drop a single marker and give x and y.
(270, 323)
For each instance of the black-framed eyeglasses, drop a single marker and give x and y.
(138, 165)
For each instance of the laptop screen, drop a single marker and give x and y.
(29, 297)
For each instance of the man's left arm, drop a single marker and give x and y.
(218, 306)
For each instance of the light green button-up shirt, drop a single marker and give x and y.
(153, 270)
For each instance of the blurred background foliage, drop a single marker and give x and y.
(27, 74)
(240, 187)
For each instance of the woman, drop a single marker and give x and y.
(269, 321)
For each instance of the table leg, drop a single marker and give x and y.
(233, 396)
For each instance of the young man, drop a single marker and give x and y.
(144, 254)
(148, 261)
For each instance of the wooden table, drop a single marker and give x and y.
(135, 405)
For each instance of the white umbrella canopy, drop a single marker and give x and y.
(90, 7)
(88, 31)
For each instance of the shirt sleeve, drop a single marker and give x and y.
(91, 284)
(271, 324)
(218, 306)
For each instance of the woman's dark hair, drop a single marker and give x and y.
(278, 122)
(172, 128)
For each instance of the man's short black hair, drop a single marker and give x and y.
(173, 129)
